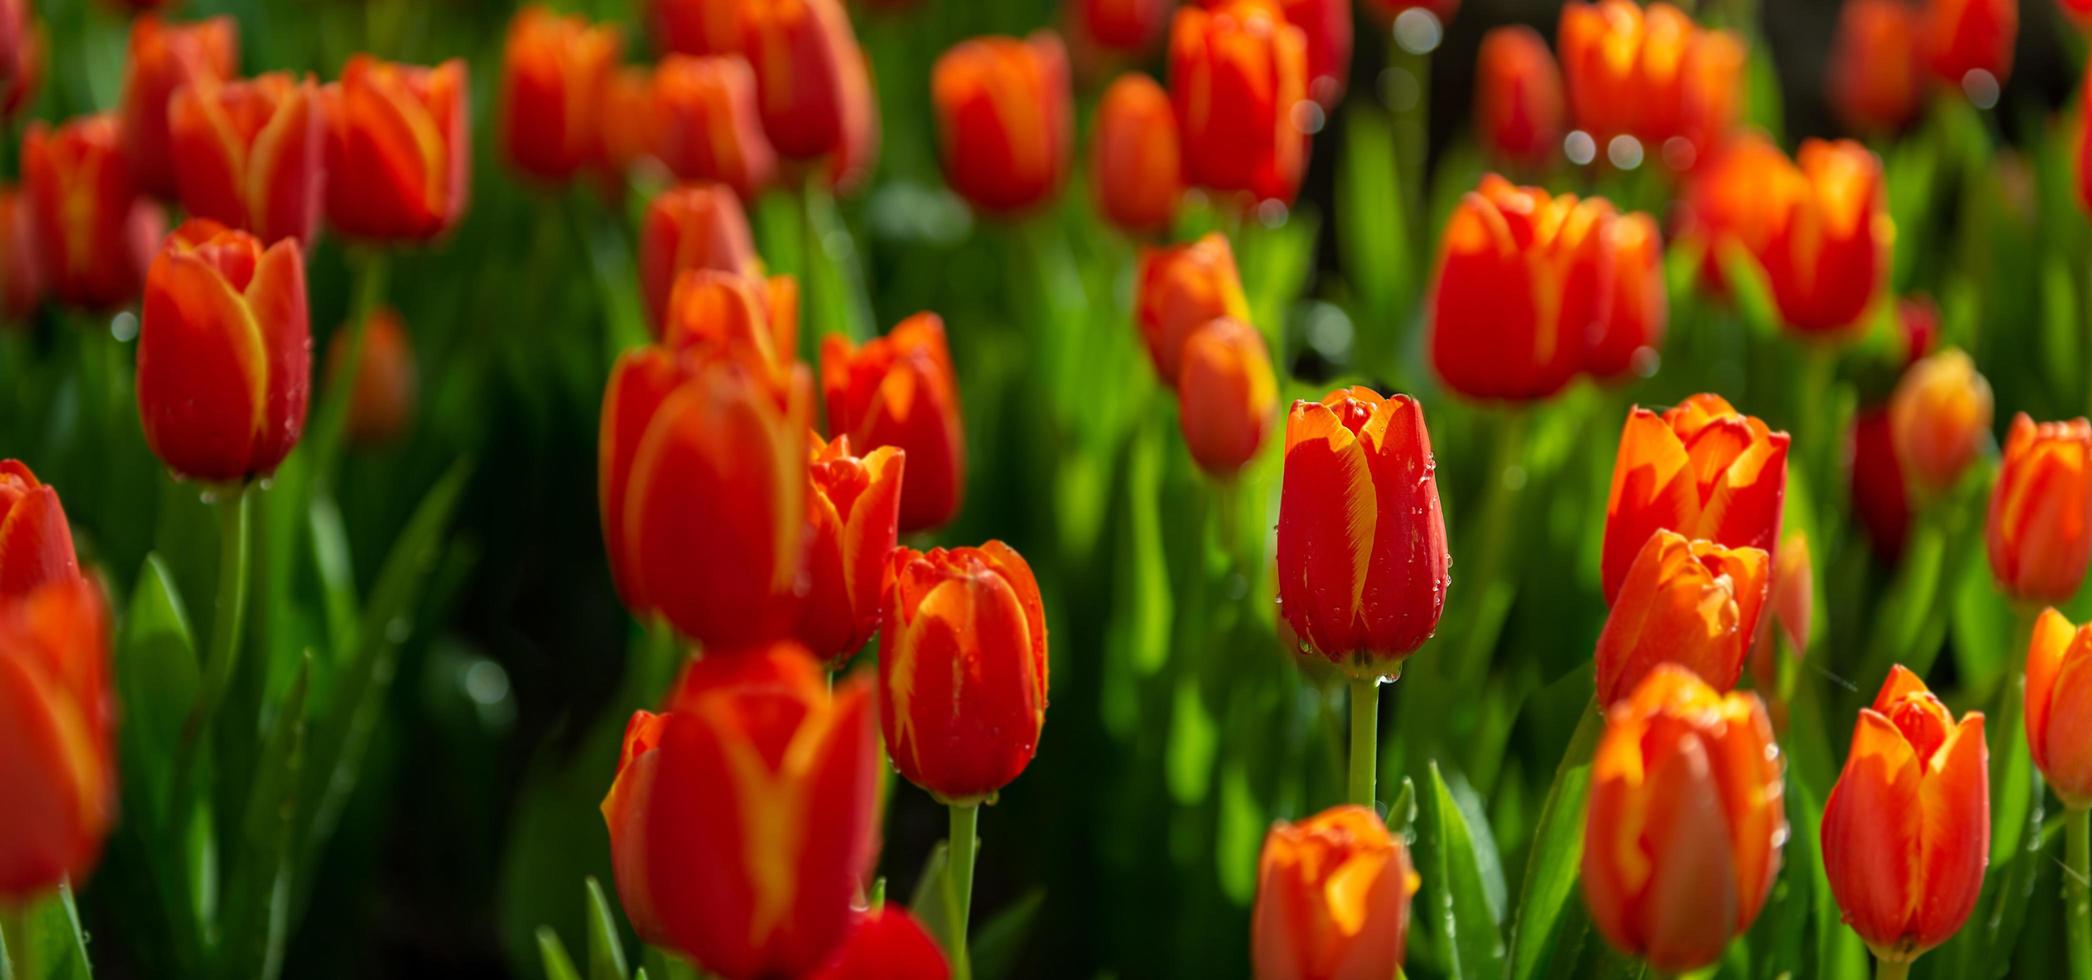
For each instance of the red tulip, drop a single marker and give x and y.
(1878, 494)
(398, 149)
(1236, 75)
(385, 386)
(1127, 26)
(885, 943)
(1519, 109)
(899, 390)
(36, 543)
(248, 154)
(2057, 699)
(164, 58)
(1702, 469)
(744, 818)
(1828, 257)
(553, 73)
(1181, 288)
(1226, 395)
(1003, 119)
(812, 80)
(1326, 24)
(57, 736)
(1963, 36)
(21, 265)
(1137, 167)
(708, 306)
(1694, 604)
(1362, 561)
(853, 520)
(696, 226)
(2040, 525)
(1734, 203)
(93, 233)
(1874, 73)
(962, 668)
(1649, 73)
(21, 56)
(1632, 326)
(1333, 894)
(708, 128)
(627, 124)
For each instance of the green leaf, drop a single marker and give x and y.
(606, 946)
(998, 945)
(1376, 252)
(931, 901)
(49, 944)
(1551, 920)
(558, 965)
(1401, 811)
(156, 680)
(332, 565)
(257, 905)
(1454, 897)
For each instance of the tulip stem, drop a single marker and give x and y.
(14, 941)
(229, 612)
(1365, 740)
(2077, 825)
(1890, 969)
(958, 870)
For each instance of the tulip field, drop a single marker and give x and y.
(1007, 489)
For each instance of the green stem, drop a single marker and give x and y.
(958, 869)
(230, 611)
(368, 268)
(1365, 740)
(1891, 969)
(2078, 825)
(14, 941)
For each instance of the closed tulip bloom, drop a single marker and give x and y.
(628, 122)
(1333, 894)
(885, 943)
(93, 233)
(1649, 73)
(36, 543)
(1695, 604)
(1734, 203)
(1125, 26)
(224, 353)
(2058, 699)
(248, 154)
(1519, 111)
(398, 149)
(707, 126)
(1963, 36)
(853, 520)
(1633, 323)
(1326, 25)
(1003, 119)
(1181, 288)
(165, 57)
(695, 26)
(713, 307)
(57, 736)
(1362, 561)
(1226, 395)
(2040, 524)
(21, 265)
(814, 83)
(552, 79)
(1940, 417)
(1523, 280)
(1906, 831)
(695, 226)
(386, 384)
(1702, 469)
(1875, 79)
(702, 485)
(1828, 258)
(1137, 167)
(744, 817)
(962, 668)
(1683, 833)
(1878, 493)
(1236, 74)
(899, 390)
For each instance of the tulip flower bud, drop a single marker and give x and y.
(21, 266)
(1333, 894)
(385, 386)
(93, 234)
(2040, 525)
(815, 83)
(1519, 110)
(57, 735)
(1226, 395)
(702, 484)
(1906, 831)
(1691, 603)
(164, 58)
(1734, 202)
(1878, 494)
(1702, 469)
(1828, 257)
(1326, 26)
(712, 307)
(962, 668)
(553, 73)
(707, 125)
(1181, 288)
(248, 154)
(696, 226)
(1236, 74)
(1651, 74)
(1003, 119)
(627, 122)
(1524, 281)
(1939, 418)
(695, 26)
(2057, 699)
(1137, 169)
(21, 57)
(1362, 561)
(1964, 36)
(1874, 73)
(1683, 834)
(744, 817)
(36, 543)
(885, 943)
(398, 149)
(899, 390)
(1125, 26)
(853, 519)
(1632, 325)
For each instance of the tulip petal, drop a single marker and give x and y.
(36, 542)
(1954, 849)
(1325, 541)
(1872, 826)
(1690, 906)
(203, 371)
(1651, 490)
(2052, 638)
(2069, 731)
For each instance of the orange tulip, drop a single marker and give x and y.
(1518, 97)
(248, 154)
(627, 123)
(886, 943)
(553, 73)
(1362, 561)
(899, 390)
(1702, 469)
(695, 26)
(853, 520)
(1828, 256)
(1906, 831)
(962, 668)
(21, 56)
(744, 817)
(1236, 74)
(1524, 280)
(164, 58)
(2040, 525)
(707, 127)
(813, 81)
(1003, 119)
(1632, 326)
(21, 266)
(1181, 288)
(1735, 201)
(696, 226)
(1874, 72)
(1333, 894)
(57, 736)
(1878, 493)
(1126, 26)
(1963, 36)
(1651, 74)
(1940, 418)
(1226, 395)
(385, 386)
(1691, 603)
(1682, 838)
(224, 353)
(1791, 604)
(93, 233)
(2058, 697)
(398, 149)
(1137, 166)
(36, 543)
(702, 484)
(709, 306)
